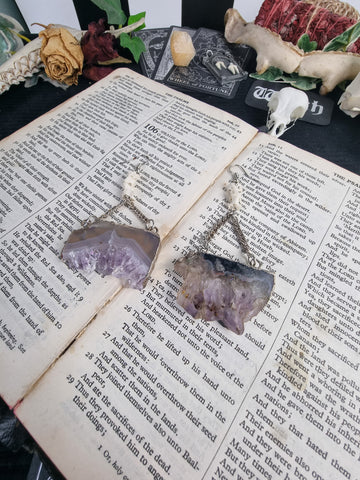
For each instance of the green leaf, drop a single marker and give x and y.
(271, 74)
(134, 18)
(115, 14)
(274, 74)
(305, 44)
(343, 41)
(302, 83)
(134, 44)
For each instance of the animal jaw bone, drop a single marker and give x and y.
(331, 67)
(21, 65)
(285, 107)
(26, 61)
(271, 50)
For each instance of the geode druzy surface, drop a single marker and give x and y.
(215, 288)
(109, 249)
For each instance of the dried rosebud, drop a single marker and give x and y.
(61, 54)
(98, 46)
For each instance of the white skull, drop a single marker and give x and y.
(350, 100)
(285, 107)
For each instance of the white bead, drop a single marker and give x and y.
(130, 183)
(233, 195)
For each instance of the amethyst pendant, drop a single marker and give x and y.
(124, 252)
(215, 288)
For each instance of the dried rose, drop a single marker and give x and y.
(97, 45)
(61, 54)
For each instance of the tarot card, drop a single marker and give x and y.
(154, 39)
(197, 76)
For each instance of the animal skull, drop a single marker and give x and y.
(285, 107)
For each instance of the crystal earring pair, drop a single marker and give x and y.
(214, 288)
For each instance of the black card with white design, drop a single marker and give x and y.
(154, 40)
(196, 76)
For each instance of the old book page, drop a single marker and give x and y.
(70, 165)
(149, 392)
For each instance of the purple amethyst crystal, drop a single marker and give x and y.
(109, 249)
(215, 288)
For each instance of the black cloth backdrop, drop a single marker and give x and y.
(88, 12)
(194, 13)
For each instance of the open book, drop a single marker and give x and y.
(119, 383)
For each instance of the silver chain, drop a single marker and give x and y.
(240, 237)
(129, 203)
(149, 223)
(242, 240)
(231, 217)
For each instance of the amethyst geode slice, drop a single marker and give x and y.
(109, 249)
(215, 288)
